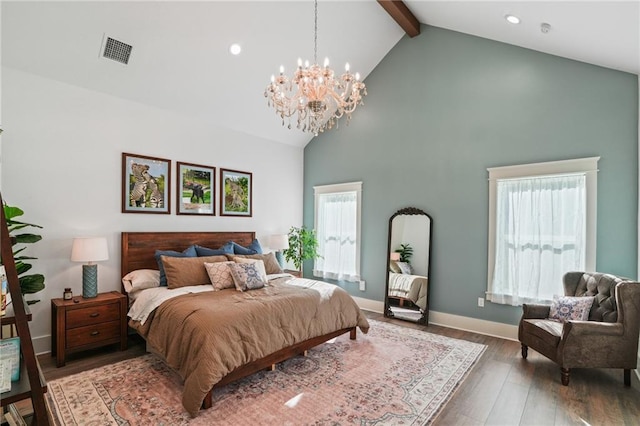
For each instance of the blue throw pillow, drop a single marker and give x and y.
(253, 248)
(188, 252)
(206, 251)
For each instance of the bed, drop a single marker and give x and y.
(409, 287)
(212, 338)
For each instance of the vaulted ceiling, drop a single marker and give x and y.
(180, 59)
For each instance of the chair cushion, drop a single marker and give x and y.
(546, 330)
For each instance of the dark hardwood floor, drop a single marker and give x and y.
(502, 388)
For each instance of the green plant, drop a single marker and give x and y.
(406, 251)
(31, 283)
(303, 245)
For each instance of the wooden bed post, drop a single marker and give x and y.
(352, 334)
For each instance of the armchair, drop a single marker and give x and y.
(609, 339)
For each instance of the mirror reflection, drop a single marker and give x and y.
(408, 261)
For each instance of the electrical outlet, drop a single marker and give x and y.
(481, 302)
(362, 285)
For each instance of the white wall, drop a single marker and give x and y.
(61, 151)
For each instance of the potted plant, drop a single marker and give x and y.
(406, 251)
(303, 245)
(31, 283)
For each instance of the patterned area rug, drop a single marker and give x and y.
(392, 376)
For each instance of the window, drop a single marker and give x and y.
(542, 224)
(337, 225)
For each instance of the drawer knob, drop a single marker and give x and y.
(93, 315)
(95, 333)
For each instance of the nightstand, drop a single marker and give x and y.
(80, 324)
(296, 274)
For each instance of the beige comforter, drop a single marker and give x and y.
(205, 336)
(411, 287)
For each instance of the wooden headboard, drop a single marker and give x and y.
(139, 248)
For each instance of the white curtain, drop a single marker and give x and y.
(336, 230)
(540, 235)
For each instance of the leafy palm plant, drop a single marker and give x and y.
(406, 251)
(303, 245)
(31, 283)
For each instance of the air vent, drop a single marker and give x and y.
(117, 50)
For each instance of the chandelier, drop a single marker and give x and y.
(315, 94)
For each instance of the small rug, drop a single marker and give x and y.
(392, 376)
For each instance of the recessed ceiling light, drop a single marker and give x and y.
(235, 49)
(512, 19)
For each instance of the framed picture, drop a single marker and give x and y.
(196, 189)
(235, 193)
(145, 184)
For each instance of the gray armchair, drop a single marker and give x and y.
(609, 339)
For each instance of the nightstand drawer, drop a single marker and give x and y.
(91, 334)
(92, 315)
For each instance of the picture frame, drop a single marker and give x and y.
(146, 184)
(236, 193)
(195, 189)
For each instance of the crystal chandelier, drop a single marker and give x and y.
(315, 94)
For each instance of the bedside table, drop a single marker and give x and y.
(80, 324)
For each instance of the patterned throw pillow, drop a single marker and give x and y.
(405, 268)
(568, 308)
(220, 275)
(259, 264)
(246, 276)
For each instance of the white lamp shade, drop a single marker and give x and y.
(395, 256)
(89, 249)
(279, 242)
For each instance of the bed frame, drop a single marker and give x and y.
(138, 252)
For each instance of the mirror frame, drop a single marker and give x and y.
(424, 319)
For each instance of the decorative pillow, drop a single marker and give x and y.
(246, 276)
(259, 264)
(271, 264)
(235, 248)
(188, 252)
(393, 267)
(140, 279)
(220, 275)
(404, 267)
(185, 271)
(568, 308)
(206, 251)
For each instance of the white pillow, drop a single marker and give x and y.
(140, 279)
(259, 265)
(220, 275)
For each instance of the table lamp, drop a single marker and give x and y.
(395, 256)
(89, 250)
(279, 243)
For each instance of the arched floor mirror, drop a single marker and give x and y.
(408, 266)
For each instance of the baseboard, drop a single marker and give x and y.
(475, 325)
(41, 344)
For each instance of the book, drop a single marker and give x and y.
(5, 375)
(9, 418)
(16, 415)
(3, 293)
(10, 350)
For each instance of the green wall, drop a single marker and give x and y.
(443, 107)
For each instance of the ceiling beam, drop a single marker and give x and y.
(402, 15)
